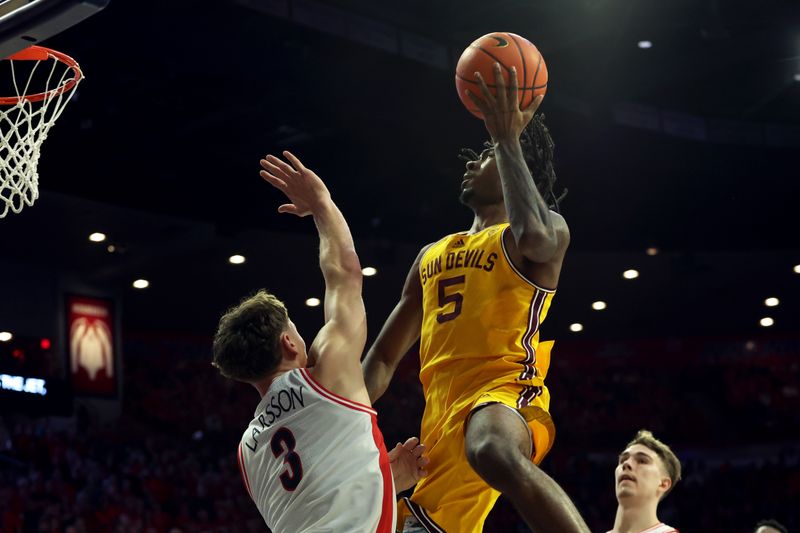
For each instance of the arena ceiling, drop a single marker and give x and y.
(690, 146)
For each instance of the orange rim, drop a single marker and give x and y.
(41, 53)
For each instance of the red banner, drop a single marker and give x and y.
(90, 333)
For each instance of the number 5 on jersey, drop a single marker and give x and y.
(283, 441)
(447, 297)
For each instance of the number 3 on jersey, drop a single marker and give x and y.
(283, 441)
(446, 298)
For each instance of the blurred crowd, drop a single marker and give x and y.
(167, 464)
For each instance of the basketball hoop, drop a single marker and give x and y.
(51, 78)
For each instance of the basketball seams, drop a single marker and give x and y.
(536, 74)
(524, 66)
(481, 55)
(488, 53)
(492, 86)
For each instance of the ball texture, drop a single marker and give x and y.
(510, 50)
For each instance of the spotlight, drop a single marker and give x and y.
(369, 271)
(97, 237)
(771, 302)
(312, 302)
(236, 259)
(766, 322)
(630, 274)
(141, 284)
(576, 327)
(5, 336)
(598, 305)
(644, 45)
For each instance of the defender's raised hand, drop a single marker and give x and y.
(502, 115)
(304, 188)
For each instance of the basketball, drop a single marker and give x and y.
(510, 50)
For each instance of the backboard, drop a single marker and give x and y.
(27, 22)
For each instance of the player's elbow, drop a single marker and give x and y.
(344, 269)
(376, 375)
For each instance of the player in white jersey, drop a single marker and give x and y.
(646, 472)
(313, 458)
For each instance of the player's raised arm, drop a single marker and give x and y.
(399, 333)
(336, 350)
(539, 234)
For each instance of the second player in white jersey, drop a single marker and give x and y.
(647, 470)
(315, 461)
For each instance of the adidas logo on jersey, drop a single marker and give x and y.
(459, 243)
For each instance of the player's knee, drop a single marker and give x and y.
(493, 458)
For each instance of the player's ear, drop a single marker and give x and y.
(289, 348)
(665, 485)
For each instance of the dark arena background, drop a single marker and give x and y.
(677, 130)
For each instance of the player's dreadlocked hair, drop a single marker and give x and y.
(537, 148)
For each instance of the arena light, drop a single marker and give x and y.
(644, 45)
(599, 305)
(576, 327)
(766, 322)
(630, 274)
(651, 251)
(97, 237)
(797, 269)
(797, 77)
(369, 271)
(313, 302)
(5, 336)
(236, 259)
(772, 302)
(141, 284)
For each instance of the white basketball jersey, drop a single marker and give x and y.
(314, 461)
(658, 528)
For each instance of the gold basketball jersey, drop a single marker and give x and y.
(481, 317)
(479, 344)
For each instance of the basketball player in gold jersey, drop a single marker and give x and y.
(475, 300)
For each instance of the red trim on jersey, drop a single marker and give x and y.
(317, 386)
(657, 528)
(240, 460)
(387, 521)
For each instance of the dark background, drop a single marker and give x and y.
(690, 146)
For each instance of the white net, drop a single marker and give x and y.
(42, 89)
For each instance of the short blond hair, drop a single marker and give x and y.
(668, 458)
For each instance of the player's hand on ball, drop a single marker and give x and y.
(304, 188)
(502, 115)
(408, 463)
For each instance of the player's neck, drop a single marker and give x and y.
(635, 519)
(488, 215)
(263, 384)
